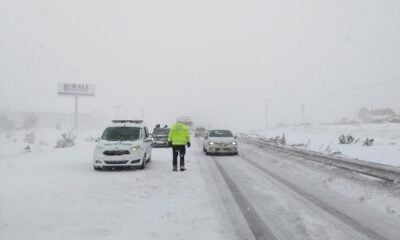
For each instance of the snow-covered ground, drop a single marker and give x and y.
(13, 143)
(55, 194)
(324, 138)
(51, 193)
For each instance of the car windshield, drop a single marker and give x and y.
(121, 134)
(221, 133)
(161, 131)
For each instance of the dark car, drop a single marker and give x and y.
(160, 137)
(200, 132)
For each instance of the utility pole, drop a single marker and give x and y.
(266, 114)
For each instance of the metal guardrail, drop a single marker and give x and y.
(381, 171)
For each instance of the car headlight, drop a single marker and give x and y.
(136, 148)
(211, 143)
(234, 143)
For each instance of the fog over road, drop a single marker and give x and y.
(229, 56)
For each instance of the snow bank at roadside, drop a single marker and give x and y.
(14, 142)
(324, 139)
(56, 194)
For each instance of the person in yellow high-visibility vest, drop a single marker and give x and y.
(179, 138)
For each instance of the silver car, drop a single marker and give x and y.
(220, 141)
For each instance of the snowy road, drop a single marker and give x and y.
(287, 198)
(56, 194)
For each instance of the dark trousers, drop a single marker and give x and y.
(178, 150)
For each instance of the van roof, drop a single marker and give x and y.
(127, 123)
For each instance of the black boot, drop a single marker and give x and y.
(183, 168)
(174, 168)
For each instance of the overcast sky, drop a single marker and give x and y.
(215, 60)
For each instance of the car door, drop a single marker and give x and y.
(147, 142)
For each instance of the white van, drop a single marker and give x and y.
(125, 143)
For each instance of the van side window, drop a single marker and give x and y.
(142, 134)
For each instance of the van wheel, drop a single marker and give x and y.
(143, 166)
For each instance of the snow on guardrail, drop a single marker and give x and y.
(381, 171)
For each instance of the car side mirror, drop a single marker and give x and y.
(97, 139)
(205, 137)
(235, 137)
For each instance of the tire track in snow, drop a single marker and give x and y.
(259, 228)
(334, 212)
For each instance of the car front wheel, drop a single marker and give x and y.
(143, 166)
(97, 168)
(148, 160)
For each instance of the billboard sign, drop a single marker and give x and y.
(76, 89)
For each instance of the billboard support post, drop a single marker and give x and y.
(76, 113)
(76, 90)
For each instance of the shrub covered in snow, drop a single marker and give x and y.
(342, 139)
(349, 139)
(30, 138)
(68, 140)
(27, 148)
(274, 139)
(368, 142)
(278, 139)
